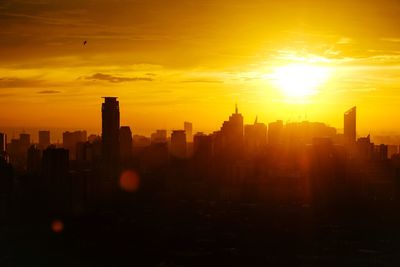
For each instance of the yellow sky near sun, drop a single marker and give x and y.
(170, 61)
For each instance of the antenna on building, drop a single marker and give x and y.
(255, 122)
(236, 108)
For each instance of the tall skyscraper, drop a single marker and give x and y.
(3, 142)
(188, 126)
(255, 136)
(110, 135)
(229, 139)
(178, 143)
(44, 139)
(232, 130)
(125, 142)
(202, 146)
(350, 126)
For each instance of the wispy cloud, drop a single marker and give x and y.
(202, 81)
(116, 79)
(13, 82)
(48, 92)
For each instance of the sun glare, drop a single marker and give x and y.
(299, 81)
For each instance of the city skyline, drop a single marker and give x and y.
(199, 133)
(57, 133)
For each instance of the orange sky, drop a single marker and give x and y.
(176, 60)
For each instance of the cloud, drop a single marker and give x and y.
(47, 92)
(202, 81)
(12, 82)
(116, 79)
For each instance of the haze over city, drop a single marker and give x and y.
(199, 133)
(196, 65)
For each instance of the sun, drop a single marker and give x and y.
(299, 81)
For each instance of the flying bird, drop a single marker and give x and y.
(84, 42)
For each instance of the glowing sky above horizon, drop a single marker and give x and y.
(175, 60)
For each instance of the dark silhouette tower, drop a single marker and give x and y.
(110, 136)
(178, 143)
(229, 140)
(188, 126)
(350, 126)
(3, 142)
(44, 139)
(125, 142)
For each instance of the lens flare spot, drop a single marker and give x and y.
(57, 226)
(129, 181)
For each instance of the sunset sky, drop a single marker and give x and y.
(175, 60)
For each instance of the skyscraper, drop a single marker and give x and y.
(44, 139)
(3, 141)
(178, 143)
(188, 126)
(255, 136)
(34, 160)
(125, 142)
(233, 128)
(350, 126)
(25, 141)
(110, 135)
(202, 146)
(229, 139)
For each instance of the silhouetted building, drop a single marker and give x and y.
(350, 126)
(202, 146)
(94, 138)
(44, 139)
(178, 144)
(125, 142)
(365, 149)
(24, 141)
(392, 150)
(3, 143)
(89, 152)
(188, 127)
(160, 136)
(141, 141)
(327, 170)
(55, 164)
(55, 167)
(255, 136)
(381, 152)
(71, 139)
(304, 132)
(228, 141)
(17, 151)
(6, 188)
(110, 136)
(34, 160)
(275, 132)
(154, 158)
